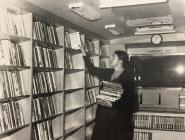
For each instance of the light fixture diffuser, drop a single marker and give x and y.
(86, 11)
(113, 29)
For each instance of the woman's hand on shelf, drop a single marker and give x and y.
(82, 48)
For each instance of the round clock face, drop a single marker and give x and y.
(156, 39)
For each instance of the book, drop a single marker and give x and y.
(75, 40)
(110, 92)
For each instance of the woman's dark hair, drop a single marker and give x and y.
(123, 56)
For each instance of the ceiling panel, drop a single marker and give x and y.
(143, 11)
(119, 16)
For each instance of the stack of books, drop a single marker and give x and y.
(109, 93)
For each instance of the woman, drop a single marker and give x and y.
(115, 123)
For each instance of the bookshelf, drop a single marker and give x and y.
(44, 93)
(74, 87)
(159, 125)
(163, 117)
(79, 94)
(91, 87)
(15, 73)
(48, 73)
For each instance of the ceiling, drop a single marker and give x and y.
(119, 16)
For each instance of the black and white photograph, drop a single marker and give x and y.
(92, 69)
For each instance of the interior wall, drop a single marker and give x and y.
(146, 38)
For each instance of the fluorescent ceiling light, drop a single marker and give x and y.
(163, 20)
(113, 29)
(119, 3)
(154, 29)
(86, 11)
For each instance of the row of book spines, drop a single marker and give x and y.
(90, 97)
(11, 84)
(159, 122)
(111, 84)
(89, 45)
(45, 32)
(91, 80)
(12, 24)
(112, 88)
(103, 97)
(44, 82)
(110, 94)
(68, 61)
(43, 131)
(11, 54)
(11, 116)
(44, 57)
(106, 86)
(142, 136)
(182, 101)
(44, 107)
(115, 91)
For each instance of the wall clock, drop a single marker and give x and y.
(156, 39)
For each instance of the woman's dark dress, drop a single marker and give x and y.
(115, 123)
